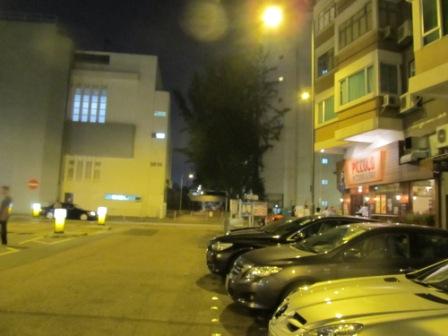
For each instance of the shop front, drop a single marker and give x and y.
(393, 192)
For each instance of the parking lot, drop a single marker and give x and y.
(123, 279)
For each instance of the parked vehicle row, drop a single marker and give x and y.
(295, 268)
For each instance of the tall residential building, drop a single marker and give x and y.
(116, 135)
(289, 164)
(34, 74)
(376, 104)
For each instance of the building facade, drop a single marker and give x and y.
(87, 127)
(34, 75)
(288, 166)
(116, 135)
(371, 109)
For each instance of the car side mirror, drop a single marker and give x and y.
(352, 254)
(296, 236)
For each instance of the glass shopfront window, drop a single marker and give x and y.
(423, 195)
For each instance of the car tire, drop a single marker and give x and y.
(83, 217)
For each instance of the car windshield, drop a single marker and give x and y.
(287, 225)
(331, 239)
(437, 278)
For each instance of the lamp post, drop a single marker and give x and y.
(190, 177)
(306, 97)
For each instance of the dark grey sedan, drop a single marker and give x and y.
(261, 279)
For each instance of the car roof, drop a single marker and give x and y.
(382, 225)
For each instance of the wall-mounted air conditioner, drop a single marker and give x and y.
(409, 103)
(390, 100)
(404, 32)
(442, 136)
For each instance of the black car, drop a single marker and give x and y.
(222, 251)
(73, 212)
(261, 279)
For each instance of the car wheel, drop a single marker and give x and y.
(49, 215)
(83, 217)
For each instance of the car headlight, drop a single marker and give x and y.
(342, 329)
(92, 213)
(218, 246)
(256, 273)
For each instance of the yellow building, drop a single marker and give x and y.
(369, 106)
(116, 135)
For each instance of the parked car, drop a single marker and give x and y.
(222, 251)
(412, 304)
(262, 278)
(73, 211)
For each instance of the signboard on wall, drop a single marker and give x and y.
(365, 170)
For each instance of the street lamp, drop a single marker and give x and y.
(272, 16)
(190, 176)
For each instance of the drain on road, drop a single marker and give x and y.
(142, 232)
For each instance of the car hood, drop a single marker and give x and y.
(365, 298)
(277, 255)
(240, 235)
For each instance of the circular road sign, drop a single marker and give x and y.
(33, 184)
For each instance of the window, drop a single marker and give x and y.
(324, 203)
(389, 78)
(89, 105)
(325, 18)
(160, 114)
(430, 247)
(356, 26)
(385, 246)
(324, 182)
(82, 170)
(325, 110)
(325, 63)
(159, 135)
(388, 14)
(356, 85)
(324, 161)
(435, 19)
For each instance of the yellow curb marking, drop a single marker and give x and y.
(9, 251)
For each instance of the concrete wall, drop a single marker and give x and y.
(132, 100)
(34, 72)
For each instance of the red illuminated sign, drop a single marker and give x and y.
(364, 170)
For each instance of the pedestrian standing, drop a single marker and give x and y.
(5, 207)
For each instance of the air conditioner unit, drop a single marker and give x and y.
(409, 103)
(404, 32)
(442, 136)
(414, 156)
(387, 32)
(390, 101)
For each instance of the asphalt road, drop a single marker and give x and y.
(130, 280)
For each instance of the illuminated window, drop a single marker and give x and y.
(122, 197)
(89, 105)
(324, 182)
(325, 110)
(357, 85)
(82, 170)
(324, 161)
(356, 26)
(324, 203)
(325, 63)
(159, 135)
(160, 114)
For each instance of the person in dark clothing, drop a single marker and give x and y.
(5, 208)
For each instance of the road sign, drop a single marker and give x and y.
(33, 184)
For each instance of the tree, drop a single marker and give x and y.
(232, 119)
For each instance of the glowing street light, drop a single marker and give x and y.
(190, 177)
(272, 16)
(305, 96)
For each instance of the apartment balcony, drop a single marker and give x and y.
(371, 122)
(431, 79)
